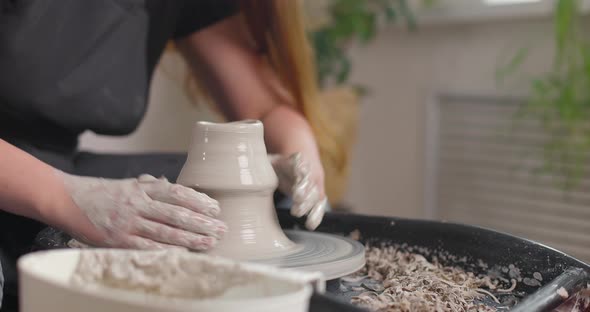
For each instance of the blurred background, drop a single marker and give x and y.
(470, 111)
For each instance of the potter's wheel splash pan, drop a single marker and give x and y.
(470, 244)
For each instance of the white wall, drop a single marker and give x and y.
(403, 71)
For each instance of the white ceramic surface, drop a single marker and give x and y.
(45, 287)
(229, 162)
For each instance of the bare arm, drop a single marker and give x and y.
(145, 213)
(31, 188)
(245, 87)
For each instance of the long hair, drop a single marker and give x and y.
(277, 29)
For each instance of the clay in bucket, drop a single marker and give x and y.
(96, 280)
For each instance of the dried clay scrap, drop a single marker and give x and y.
(397, 280)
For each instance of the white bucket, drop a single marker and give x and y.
(45, 286)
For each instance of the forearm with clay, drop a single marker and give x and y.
(143, 213)
(29, 187)
(300, 171)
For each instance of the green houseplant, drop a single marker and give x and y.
(333, 26)
(560, 99)
(343, 22)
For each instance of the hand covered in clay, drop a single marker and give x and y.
(295, 180)
(142, 213)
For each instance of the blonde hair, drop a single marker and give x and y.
(277, 28)
(278, 32)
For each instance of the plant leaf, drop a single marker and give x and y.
(515, 62)
(344, 70)
(407, 13)
(390, 13)
(565, 12)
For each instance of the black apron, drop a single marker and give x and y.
(73, 65)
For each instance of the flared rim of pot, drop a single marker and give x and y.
(243, 126)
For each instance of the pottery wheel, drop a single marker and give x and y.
(334, 256)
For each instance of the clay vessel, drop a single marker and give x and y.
(45, 285)
(228, 162)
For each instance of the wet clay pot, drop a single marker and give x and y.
(229, 162)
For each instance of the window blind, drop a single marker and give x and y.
(483, 170)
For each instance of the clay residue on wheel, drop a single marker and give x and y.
(173, 274)
(401, 278)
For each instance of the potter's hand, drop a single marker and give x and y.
(295, 180)
(143, 213)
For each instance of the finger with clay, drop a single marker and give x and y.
(142, 213)
(295, 180)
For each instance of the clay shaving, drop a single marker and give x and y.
(408, 282)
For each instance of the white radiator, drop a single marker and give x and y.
(481, 171)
